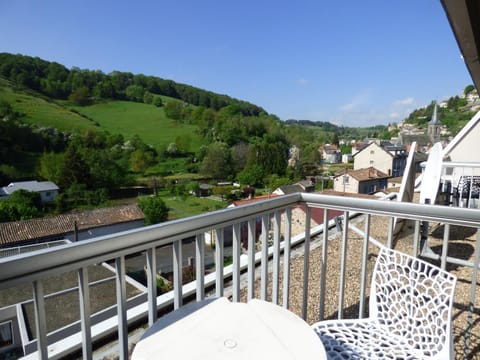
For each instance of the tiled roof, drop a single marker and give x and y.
(364, 174)
(21, 231)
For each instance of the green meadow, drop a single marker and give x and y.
(117, 117)
(147, 121)
(39, 111)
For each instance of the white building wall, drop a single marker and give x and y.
(346, 183)
(375, 156)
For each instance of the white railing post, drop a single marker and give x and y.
(363, 279)
(306, 261)
(323, 274)
(84, 302)
(121, 307)
(219, 262)
(251, 259)
(200, 266)
(151, 269)
(264, 269)
(236, 249)
(343, 264)
(276, 256)
(40, 320)
(286, 257)
(177, 274)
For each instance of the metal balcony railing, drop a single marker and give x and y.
(461, 184)
(267, 274)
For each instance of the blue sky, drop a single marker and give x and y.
(350, 62)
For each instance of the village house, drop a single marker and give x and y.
(362, 181)
(331, 154)
(47, 190)
(386, 157)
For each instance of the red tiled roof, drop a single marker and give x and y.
(19, 231)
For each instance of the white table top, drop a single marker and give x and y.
(220, 329)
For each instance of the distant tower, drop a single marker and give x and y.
(434, 127)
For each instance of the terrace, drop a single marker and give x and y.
(331, 282)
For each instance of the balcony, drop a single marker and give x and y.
(267, 262)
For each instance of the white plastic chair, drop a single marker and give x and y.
(410, 314)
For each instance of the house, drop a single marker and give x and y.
(388, 158)
(361, 181)
(75, 226)
(301, 186)
(204, 190)
(48, 190)
(357, 146)
(394, 182)
(330, 154)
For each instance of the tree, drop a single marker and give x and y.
(140, 160)
(157, 101)
(147, 97)
(183, 143)
(135, 93)
(21, 205)
(154, 209)
(468, 89)
(217, 161)
(80, 96)
(253, 175)
(334, 140)
(174, 109)
(52, 167)
(75, 169)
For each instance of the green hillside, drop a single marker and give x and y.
(117, 117)
(37, 110)
(145, 120)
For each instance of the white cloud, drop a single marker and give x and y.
(404, 102)
(303, 82)
(360, 99)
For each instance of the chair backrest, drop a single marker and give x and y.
(414, 299)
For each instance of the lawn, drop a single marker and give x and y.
(184, 206)
(147, 121)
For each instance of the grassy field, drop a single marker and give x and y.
(117, 117)
(42, 112)
(147, 121)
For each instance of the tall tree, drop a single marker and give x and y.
(217, 161)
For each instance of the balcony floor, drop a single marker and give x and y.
(462, 242)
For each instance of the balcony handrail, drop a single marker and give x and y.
(29, 267)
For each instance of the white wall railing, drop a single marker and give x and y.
(36, 268)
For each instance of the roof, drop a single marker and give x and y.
(36, 186)
(363, 174)
(464, 18)
(372, 144)
(41, 228)
(291, 189)
(329, 148)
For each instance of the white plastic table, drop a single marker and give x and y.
(220, 329)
